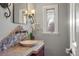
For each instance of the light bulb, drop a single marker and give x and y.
(26, 12)
(33, 11)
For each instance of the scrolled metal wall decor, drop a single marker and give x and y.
(6, 6)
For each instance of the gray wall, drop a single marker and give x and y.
(55, 44)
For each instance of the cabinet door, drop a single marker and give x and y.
(39, 53)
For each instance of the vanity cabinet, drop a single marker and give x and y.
(18, 50)
(40, 52)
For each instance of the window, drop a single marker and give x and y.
(50, 19)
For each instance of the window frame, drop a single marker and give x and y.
(55, 6)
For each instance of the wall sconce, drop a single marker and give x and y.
(6, 5)
(30, 14)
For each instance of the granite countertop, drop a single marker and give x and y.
(19, 50)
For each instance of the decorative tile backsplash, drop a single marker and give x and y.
(11, 41)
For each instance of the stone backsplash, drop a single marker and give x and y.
(11, 40)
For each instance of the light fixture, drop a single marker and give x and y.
(30, 13)
(33, 12)
(6, 6)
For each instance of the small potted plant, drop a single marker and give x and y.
(31, 37)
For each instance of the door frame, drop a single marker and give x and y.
(73, 29)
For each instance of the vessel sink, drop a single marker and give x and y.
(28, 43)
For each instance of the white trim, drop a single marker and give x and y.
(72, 28)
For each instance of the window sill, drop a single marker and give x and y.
(50, 32)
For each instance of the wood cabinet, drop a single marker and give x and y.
(40, 52)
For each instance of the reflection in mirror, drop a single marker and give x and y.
(22, 17)
(23, 13)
